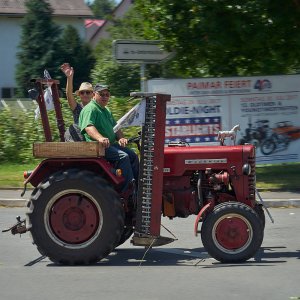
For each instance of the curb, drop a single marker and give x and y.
(282, 203)
(13, 202)
(270, 203)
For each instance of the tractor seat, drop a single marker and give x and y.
(73, 134)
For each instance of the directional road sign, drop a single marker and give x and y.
(137, 51)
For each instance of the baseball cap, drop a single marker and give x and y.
(100, 87)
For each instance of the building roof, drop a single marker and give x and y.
(91, 26)
(93, 22)
(97, 32)
(60, 7)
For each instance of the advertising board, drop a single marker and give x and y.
(267, 108)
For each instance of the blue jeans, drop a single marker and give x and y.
(126, 160)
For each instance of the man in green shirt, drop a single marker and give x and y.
(96, 123)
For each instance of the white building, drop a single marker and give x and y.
(66, 12)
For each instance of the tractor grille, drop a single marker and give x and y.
(146, 168)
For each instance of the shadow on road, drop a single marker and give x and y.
(266, 256)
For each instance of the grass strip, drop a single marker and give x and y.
(268, 177)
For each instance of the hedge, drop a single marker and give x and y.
(19, 130)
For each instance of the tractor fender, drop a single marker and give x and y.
(97, 165)
(200, 214)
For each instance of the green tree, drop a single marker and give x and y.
(122, 78)
(102, 8)
(76, 52)
(44, 46)
(226, 38)
(38, 45)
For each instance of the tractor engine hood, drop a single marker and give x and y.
(178, 159)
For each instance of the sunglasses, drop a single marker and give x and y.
(103, 94)
(85, 92)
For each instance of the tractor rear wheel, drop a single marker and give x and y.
(127, 233)
(75, 217)
(232, 232)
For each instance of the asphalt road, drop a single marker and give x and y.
(181, 270)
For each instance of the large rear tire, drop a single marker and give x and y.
(232, 232)
(127, 233)
(75, 217)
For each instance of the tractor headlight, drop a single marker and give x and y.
(246, 169)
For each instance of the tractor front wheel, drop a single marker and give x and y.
(232, 232)
(75, 217)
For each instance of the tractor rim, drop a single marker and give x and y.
(73, 219)
(232, 233)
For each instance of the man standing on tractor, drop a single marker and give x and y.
(96, 123)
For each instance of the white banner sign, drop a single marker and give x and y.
(267, 109)
(134, 117)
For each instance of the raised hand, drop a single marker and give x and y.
(67, 69)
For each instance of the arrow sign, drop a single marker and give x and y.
(135, 51)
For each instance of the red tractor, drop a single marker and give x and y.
(77, 214)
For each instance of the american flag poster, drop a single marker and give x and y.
(195, 120)
(193, 130)
(191, 117)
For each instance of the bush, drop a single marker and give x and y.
(19, 130)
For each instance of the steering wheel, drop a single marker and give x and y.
(136, 140)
